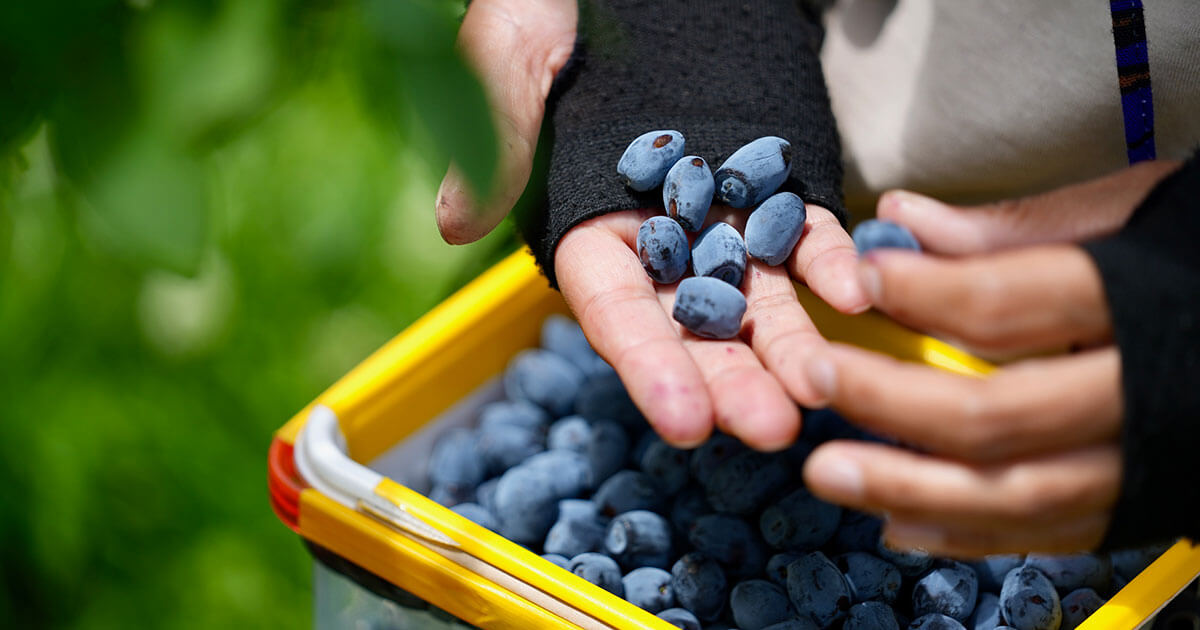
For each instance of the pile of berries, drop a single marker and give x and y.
(710, 303)
(720, 536)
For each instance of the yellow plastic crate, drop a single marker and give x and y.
(383, 415)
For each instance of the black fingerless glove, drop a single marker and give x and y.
(1151, 272)
(722, 73)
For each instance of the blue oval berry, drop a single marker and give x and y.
(730, 541)
(709, 307)
(799, 522)
(663, 249)
(680, 618)
(478, 514)
(871, 616)
(756, 604)
(817, 589)
(1079, 605)
(935, 621)
(649, 588)
(870, 578)
(600, 570)
(688, 192)
(719, 252)
(639, 539)
(986, 614)
(875, 233)
(648, 158)
(773, 230)
(1028, 600)
(543, 378)
(699, 585)
(950, 590)
(1069, 572)
(754, 172)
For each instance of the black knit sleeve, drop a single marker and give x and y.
(1151, 272)
(722, 73)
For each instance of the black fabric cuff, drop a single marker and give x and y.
(1151, 273)
(720, 73)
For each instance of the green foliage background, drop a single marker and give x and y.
(209, 210)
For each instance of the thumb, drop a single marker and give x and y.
(1072, 213)
(517, 47)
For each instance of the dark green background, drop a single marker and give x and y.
(209, 211)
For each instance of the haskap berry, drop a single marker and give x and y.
(950, 590)
(476, 513)
(545, 379)
(877, 233)
(700, 585)
(688, 192)
(680, 618)
(774, 228)
(870, 578)
(986, 614)
(704, 514)
(649, 588)
(1073, 571)
(1028, 600)
(663, 249)
(754, 172)
(817, 589)
(756, 604)
(639, 538)
(871, 616)
(719, 252)
(646, 161)
(799, 522)
(600, 570)
(1079, 605)
(709, 307)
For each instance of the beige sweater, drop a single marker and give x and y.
(970, 100)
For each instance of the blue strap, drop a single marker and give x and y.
(1133, 73)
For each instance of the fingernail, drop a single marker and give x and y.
(822, 376)
(839, 475)
(902, 203)
(871, 280)
(909, 536)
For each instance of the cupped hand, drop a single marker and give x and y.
(685, 384)
(1027, 458)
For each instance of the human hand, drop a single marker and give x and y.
(682, 383)
(1028, 458)
(517, 47)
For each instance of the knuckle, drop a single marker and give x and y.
(982, 433)
(985, 306)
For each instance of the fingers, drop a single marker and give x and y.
(517, 47)
(616, 304)
(1028, 299)
(1031, 407)
(779, 331)
(1070, 214)
(1035, 492)
(825, 259)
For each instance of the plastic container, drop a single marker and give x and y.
(347, 473)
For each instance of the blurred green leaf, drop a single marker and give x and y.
(149, 204)
(413, 28)
(452, 105)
